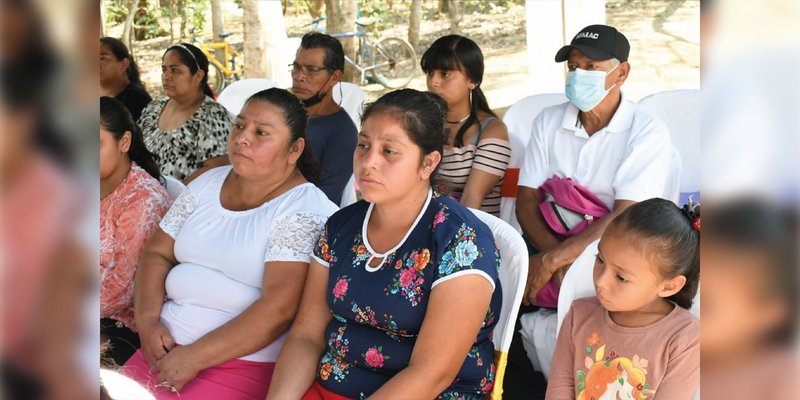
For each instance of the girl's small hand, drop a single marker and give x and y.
(177, 368)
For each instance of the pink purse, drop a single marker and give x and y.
(567, 208)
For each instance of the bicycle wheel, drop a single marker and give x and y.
(216, 78)
(394, 63)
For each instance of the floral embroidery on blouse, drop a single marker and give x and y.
(408, 283)
(340, 289)
(331, 363)
(374, 358)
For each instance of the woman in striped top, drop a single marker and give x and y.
(477, 150)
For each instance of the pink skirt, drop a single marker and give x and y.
(234, 380)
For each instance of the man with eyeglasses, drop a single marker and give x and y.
(610, 150)
(317, 68)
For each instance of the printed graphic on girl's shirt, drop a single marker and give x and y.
(610, 376)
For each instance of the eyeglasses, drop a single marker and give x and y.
(306, 70)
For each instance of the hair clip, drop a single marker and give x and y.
(692, 212)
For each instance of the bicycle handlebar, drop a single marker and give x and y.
(316, 21)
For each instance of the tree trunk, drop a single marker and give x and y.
(316, 7)
(184, 17)
(102, 20)
(216, 27)
(330, 16)
(276, 43)
(254, 53)
(172, 7)
(128, 29)
(454, 12)
(413, 23)
(342, 18)
(265, 33)
(443, 6)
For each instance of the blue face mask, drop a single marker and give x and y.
(586, 89)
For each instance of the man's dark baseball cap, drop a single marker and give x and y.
(598, 42)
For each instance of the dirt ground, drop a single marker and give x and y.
(664, 36)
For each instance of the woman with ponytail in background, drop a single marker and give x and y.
(477, 150)
(119, 76)
(188, 128)
(220, 282)
(132, 201)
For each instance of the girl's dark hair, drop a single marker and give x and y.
(454, 52)
(193, 58)
(669, 233)
(752, 227)
(296, 118)
(421, 114)
(116, 118)
(121, 52)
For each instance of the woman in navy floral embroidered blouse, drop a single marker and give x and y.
(402, 294)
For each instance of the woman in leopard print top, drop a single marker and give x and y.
(187, 130)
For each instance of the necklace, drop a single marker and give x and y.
(459, 121)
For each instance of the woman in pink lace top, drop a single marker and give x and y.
(132, 202)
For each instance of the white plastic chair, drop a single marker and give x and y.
(236, 94)
(174, 186)
(578, 281)
(349, 195)
(519, 121)
(673, 188)
(513, 275)
(351, 98)
(680, 110)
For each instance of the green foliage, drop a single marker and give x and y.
(385, 12)
(490, 7)
(199, 11)
(146, 25)
(115, 13)
(375, 9)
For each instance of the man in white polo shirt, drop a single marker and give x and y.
(600, 140)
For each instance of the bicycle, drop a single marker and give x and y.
(389, 61)
(220, 73)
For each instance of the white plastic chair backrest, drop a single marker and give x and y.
(673, 187)
(680, 110)
(519, 121)
(349, 193)
(351, 98)
(512, 275)
(579, 283)
(236, 94)
(174, 187)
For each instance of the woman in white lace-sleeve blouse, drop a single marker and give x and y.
(221, 280)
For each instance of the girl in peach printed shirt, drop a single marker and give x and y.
(132, 202)
(636, 339)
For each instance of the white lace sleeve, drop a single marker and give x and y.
(181, 209)
(293, 237)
